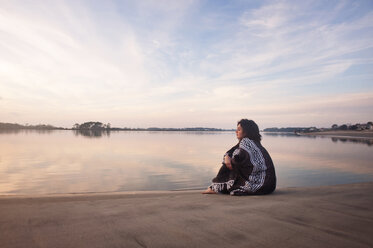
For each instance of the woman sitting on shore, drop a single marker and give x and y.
(247, 167)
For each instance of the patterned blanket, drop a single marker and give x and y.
(252, 171)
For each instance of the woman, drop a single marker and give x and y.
(247, 167)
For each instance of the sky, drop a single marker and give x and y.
(186, 63)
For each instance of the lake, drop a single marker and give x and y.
(66, 161)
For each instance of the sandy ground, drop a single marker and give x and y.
(331, 216)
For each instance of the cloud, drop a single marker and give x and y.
(50, 55)
(279, 39)
(154, 61)
(269, 16)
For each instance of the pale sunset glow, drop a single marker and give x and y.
(186, 63)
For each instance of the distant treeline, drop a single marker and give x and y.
(15, 126)
(98, 126)
(94, 125)
(286, 129)
(186, 129)
(356, 127)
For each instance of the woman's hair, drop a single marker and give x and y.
(250, 129)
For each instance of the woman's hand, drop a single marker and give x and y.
(228, 162)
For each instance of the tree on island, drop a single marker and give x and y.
(92, 129)
(343, 127)
(92, 125)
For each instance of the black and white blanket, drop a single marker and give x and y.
(252, 171)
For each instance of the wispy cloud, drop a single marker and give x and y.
(283, 38)
(180, 63)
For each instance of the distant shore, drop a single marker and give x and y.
(367, 134)
(328, 216)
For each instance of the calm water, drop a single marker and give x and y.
(67, 162)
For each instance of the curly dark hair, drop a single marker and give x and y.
(250, 129)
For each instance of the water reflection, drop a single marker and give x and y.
(283, 134)
(368, 142)
(68, 162)
(17, 131)
(94, 133)
(356, 140)
(65, 163)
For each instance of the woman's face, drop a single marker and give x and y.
(239, 132)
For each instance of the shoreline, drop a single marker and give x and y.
(143, 193)
(336, 216)
(342, 134)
